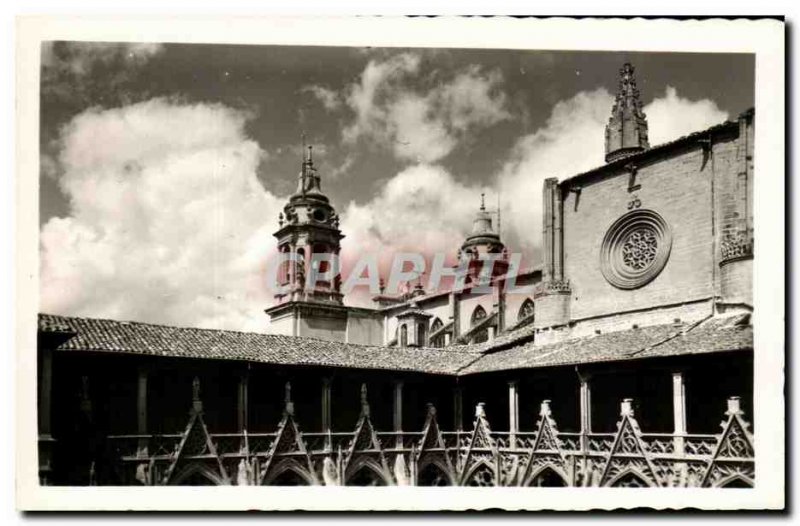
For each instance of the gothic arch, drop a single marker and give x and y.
(288, 471)
(548, 475)
(630, 478)
(525, 310)
(481, 474)
(366, 472)
(196, 474)
(433, 473)
(736, 480)
(436, 341)
(479, 314)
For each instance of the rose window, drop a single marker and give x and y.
(639, 250)
(635, 249)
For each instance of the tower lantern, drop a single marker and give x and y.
(309, 229)
(482, 243)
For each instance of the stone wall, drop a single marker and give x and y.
(701, 188)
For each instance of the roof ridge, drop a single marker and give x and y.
(459, 348)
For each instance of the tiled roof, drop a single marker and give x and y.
(49, 323)
(716, 335)
(181, 342)
(514, 350)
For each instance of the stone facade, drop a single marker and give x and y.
(696, 192)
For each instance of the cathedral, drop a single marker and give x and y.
(628, 364)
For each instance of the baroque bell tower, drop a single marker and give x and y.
(483, 241)
(626, 131)
(309, 242)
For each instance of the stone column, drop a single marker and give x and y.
(326, 410)
(548, 190)
(141, 410)
(242, 409)
(458, 413)
(452, 305)
(513, 412)
(491, 332)
(586, 408)
(679, 410)
(398, 411)
(291, 266)
(45, 392)
(44, 416)
(558, 251)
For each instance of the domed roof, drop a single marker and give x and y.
(483, 232)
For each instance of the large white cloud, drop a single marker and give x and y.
(672, 116)
(168, 221)
(422, 210)
(420, 125)
(399, 217)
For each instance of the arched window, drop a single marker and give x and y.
(482, 476)
(433, 475)
(548, 478)
(630, 480)
(289, 477)
(284, 274)
(300, 268)
(526, 310)
(421, 326)
(323, 264)
(437, 341)
(478, 315)
(736, 482)
(403, 335)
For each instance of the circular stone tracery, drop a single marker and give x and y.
(640, 249)
(635, 249)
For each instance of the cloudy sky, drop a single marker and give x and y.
(164, 167)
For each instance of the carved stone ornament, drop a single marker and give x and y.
(736, 246)
(635, 249)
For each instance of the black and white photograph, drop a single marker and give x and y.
(471, 269)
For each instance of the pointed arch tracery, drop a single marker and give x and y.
(196, 474)
(525, 310)
(480, 475)
(479, 314)
(548, 476)
(433, 473)
(366, 473)
(288, 473)
(630, 479)
(438, 340)
(736, 481)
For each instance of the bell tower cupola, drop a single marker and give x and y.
(309, 241)
(626, 131)
(483, 243)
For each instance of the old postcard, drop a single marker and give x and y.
(465, 263)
